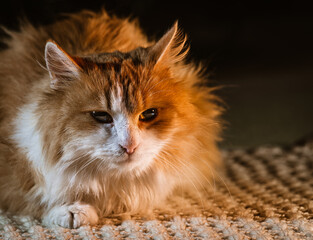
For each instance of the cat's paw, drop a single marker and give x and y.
(71, 216)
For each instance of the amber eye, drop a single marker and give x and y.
(102, 117)
(148, 115)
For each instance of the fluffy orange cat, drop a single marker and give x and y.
(96, 120)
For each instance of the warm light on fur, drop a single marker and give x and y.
(60, 164)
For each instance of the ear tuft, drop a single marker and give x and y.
(61, 66)
(171, 48)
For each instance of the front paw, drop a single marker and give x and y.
(71, 216)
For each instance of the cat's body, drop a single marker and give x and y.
(113, 125)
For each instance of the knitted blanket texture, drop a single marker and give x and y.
(265, 193)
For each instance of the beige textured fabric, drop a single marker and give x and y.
(266, 193)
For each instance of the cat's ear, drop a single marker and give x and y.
(170, 48)
(61, 66)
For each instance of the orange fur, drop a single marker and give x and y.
(61, 171)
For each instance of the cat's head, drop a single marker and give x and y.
(117, 111)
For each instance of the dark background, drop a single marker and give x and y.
(260, 51)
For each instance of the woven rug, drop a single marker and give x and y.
(265, 193)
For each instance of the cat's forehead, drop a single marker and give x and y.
(119, 79)
(117, 101)
(125, 82)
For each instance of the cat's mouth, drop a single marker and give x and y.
(130, 162)
(126, 159)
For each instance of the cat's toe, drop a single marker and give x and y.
(71, 216)
(83, 214)
(63, 220)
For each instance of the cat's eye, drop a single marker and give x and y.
(148, 115)
(102, 117)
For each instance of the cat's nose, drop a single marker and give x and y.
(129, 149)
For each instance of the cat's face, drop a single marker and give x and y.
(122, 118)
(118, 111)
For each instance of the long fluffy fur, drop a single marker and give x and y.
(33, 180)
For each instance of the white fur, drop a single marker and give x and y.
(117, 101)
(28, 137)
(71, 216)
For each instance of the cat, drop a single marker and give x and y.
(96, 120)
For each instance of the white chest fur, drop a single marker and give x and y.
(27, 137)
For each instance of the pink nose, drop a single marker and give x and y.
(129, 149)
